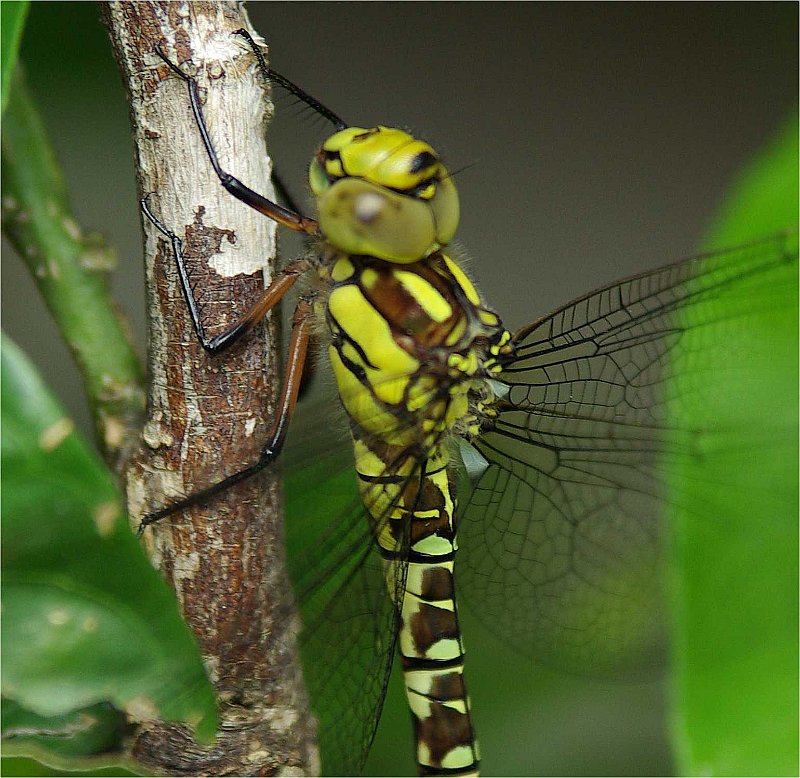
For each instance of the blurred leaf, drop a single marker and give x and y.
(12, 22)
(764, 197)
(86, 619)
(735, 544)
(92, 730)
(24, 766)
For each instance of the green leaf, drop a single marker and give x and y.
(86, 619)
(12, 22)
(24, 766)
(735, 700)
(92, 730)
(764, 197)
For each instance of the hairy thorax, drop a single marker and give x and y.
(411, 347)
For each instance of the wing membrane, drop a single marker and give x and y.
(561, 538)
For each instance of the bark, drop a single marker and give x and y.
(208, 416)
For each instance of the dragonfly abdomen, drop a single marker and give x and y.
(418, 543)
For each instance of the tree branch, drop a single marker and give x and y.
(209, 415)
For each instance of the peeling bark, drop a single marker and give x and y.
(208, 416)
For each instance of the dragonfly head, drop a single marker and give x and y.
(383, 193)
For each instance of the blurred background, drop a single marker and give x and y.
(592, 141)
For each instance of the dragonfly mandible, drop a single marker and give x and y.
(561, 431)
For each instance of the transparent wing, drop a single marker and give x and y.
(347, 645)
(347, 607)
(561, 538)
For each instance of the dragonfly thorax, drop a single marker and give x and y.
(409, 344)
(383, 193)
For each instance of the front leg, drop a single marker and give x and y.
(285, 216)
(280, 284)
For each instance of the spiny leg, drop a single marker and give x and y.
(269, 298)
(285, 216)
(290, 86)
(298, 349)
(281, 283)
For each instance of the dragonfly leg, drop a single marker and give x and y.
(285, 216)
(298, 349)
(290, 86)
(281, 283)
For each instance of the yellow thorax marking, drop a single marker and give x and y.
(462, 280)
(437, 308)
(365, 326)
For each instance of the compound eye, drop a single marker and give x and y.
(318, 178)
(445, 208)
(362, 218)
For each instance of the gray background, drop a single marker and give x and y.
(593, 141)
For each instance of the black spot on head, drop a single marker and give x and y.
(417, 190)
(423, 160)
(326, 156)
(366, 134)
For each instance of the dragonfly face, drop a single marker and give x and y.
(382, 193)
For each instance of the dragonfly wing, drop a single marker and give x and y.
(347, 607)
(561, 538)
(347, 646)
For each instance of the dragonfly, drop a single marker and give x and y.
(541, 453)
